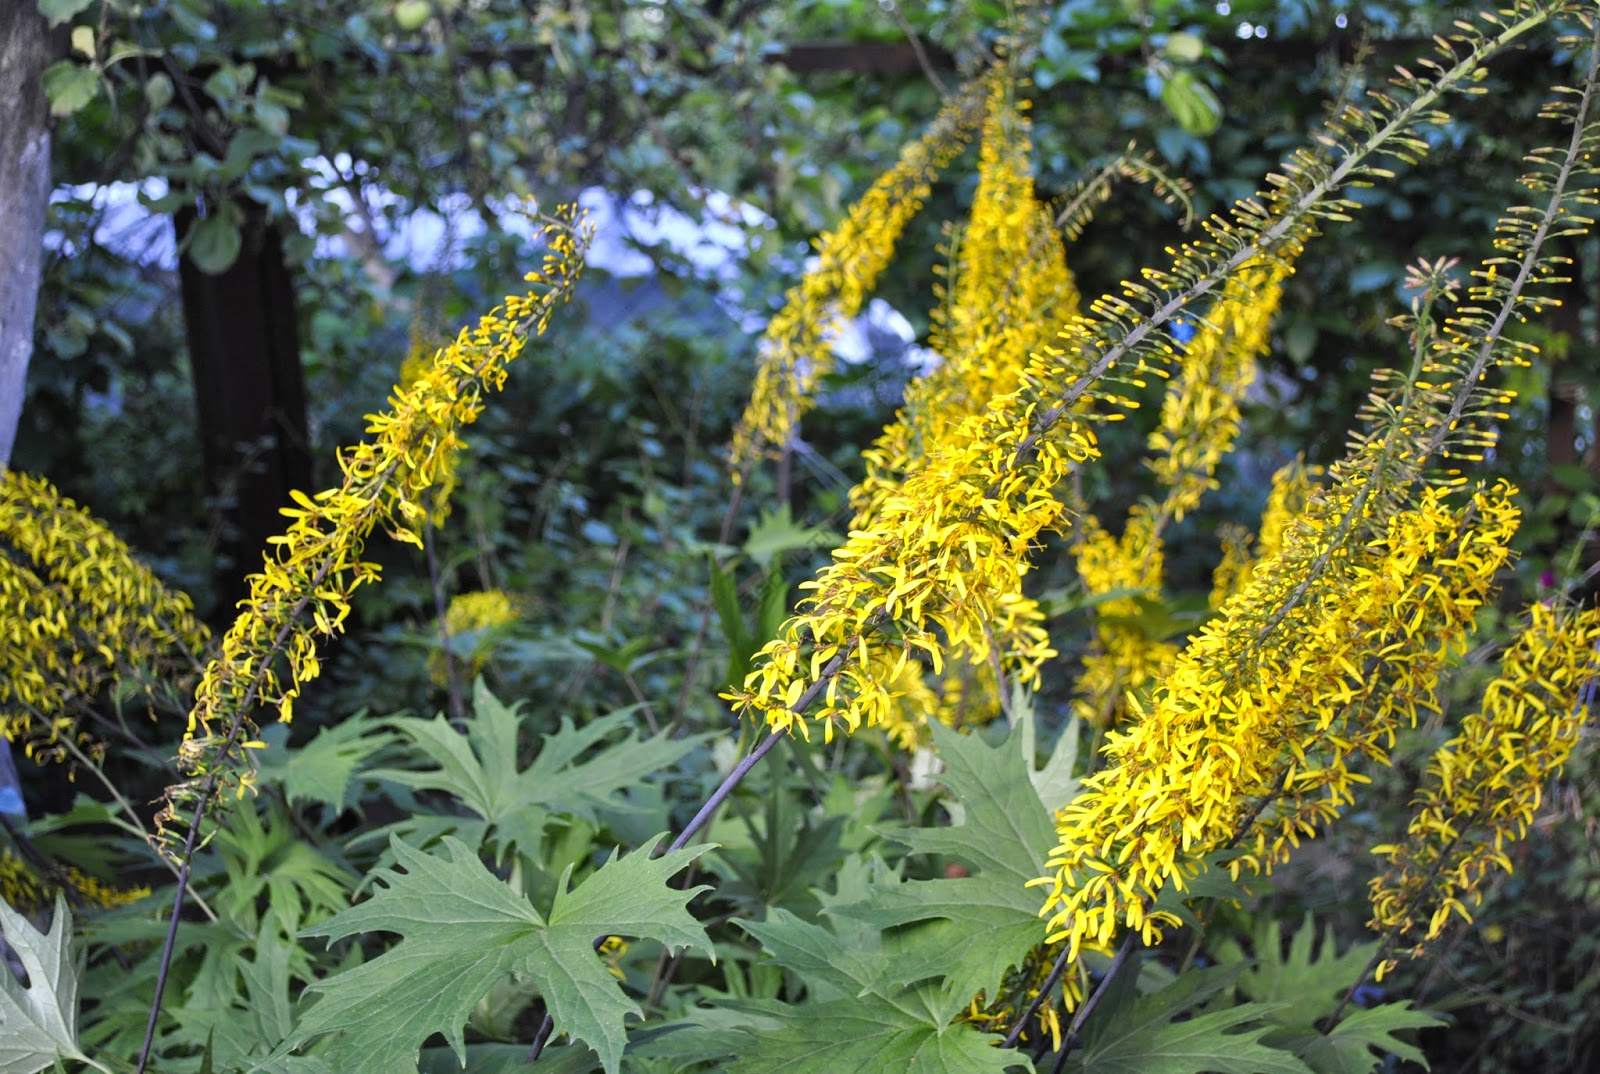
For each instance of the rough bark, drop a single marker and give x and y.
(25, 51)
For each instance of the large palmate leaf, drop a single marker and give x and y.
(988, 921)
(1132, 1034)
(860, 1020)
(1359, 1042)
(480, 766)
(39, 1023)
(462, 930)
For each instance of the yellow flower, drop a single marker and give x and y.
(474, 613)
(796, 349)
(312, 572)
(1248, 743)
(1484, 786)
(25, 889)
(85, 614)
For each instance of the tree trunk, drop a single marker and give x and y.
(25, 51)
(250, 398)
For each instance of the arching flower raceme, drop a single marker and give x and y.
(311, 573)
(947, 516)
(1484, 786)
(796, 350)
(78, 612)
(1199, 423)
(1009, 287)
(1248, 743)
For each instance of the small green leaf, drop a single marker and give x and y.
(59, 11)
(70, 86)
(411, 14)
(1184, 48)
(214, 244)
(1192, 103)
(38, 1024)
(83, 41)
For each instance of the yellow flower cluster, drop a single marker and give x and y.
(1292, 486)
(1010, 287)
(419, 359)
(1125, 658)
(23, 888)
(939, 569)
(474, 613)
(1200, 411)
(796, 347)
(959, 488)
(78, 611)
(1248, 742)
(1484, 785)
(313, 571)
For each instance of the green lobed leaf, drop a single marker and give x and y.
(462, 930)
(1358, 1043)
(1004, 835)
(1307, 982)
(1131, 1035)
(870, 1034)
(38, 1024)
(480, 766)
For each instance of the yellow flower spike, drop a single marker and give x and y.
(1163, 797)
(1483, 787)
(85, 596)
(269, 653)
(796, 347)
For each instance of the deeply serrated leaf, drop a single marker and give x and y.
(1307, 982)
(1140, 1036)
(462, 930)
(1359, 1042)
(1004, 836)
(321, 770)
(867, 1034)
(480, 766)
(39, 1023)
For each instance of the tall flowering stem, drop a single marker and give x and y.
(946, 549)
(1008, 288)
(313, 571)
(1271, 738)
(1484, 786)
(1338, 640)
(797, 345)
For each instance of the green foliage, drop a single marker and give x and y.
(479, 766)
(857, 1016)
(982, 924)
(1160, 1033)
(38, 1023)
(463, 931)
